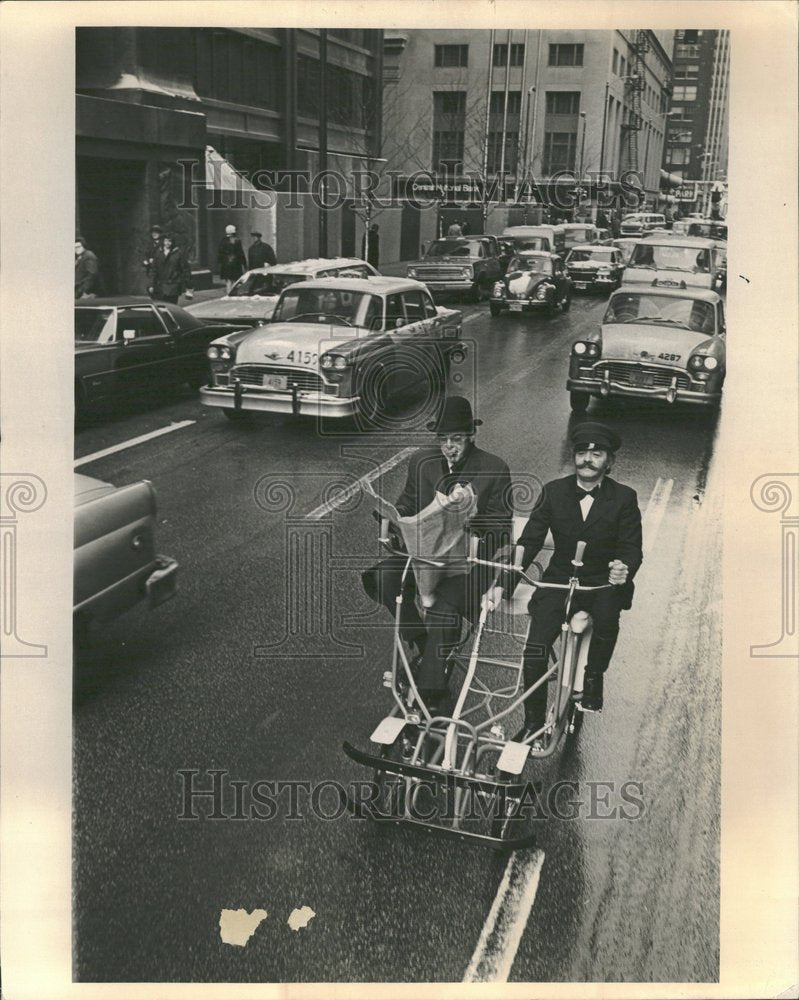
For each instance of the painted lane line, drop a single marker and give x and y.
(504, 926)
(344, 495)
(179, 425)
(655, 509)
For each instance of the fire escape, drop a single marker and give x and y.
(634, 86)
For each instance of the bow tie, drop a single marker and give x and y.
(582, 494)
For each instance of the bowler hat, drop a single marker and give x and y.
(155, 228)
(591, 434)
(255, 233)
(455, 416)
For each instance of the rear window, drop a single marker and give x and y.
(665, 257)
(265, 284)
(90, 324)
(454, 248)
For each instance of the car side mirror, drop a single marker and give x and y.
(128, 336)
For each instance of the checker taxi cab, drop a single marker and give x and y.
(336, 347)
(654, 343)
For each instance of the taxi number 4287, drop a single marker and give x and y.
(302, 357)
(669, 357)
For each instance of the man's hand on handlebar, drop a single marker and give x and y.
(492, 597)
(618, 572)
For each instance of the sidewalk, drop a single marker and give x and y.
(399, 269)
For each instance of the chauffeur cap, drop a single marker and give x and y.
(591, 434)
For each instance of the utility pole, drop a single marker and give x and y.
(322, 139)
(487, 123)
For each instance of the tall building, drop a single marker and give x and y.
(180, 126)
(527, 102)
(696, 151)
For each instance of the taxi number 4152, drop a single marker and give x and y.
(302, 357)
(669, 357)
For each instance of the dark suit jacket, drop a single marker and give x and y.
(488, 475)
(172, 274)
(260, 254)
(612, 530)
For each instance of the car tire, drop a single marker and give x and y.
(578, 401)
(494, 309)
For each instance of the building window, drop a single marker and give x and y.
(229, 66)
(559, 151)
(680, 135)
(449, 102)
(682, 51)
(451, 55)
(684, 94)
(681, 114)
(516, 55)
(679, 157)
(448, 150)
(565, 55)
(497, 106)
(495, 152)
(563, 102)
(616, 62)
(308, 86)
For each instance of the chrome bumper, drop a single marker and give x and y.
(311, 404)
(603, 388)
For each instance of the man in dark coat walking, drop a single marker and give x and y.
(230, 257)
(87, 271)
(455, 461)
(172, 277)
(150, 256)
(591, 507)
(260, 254)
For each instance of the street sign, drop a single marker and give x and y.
(687, 192)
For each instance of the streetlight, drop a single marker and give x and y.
(582, 144)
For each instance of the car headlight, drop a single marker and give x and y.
(499, 288)
(412, 272)
(213, 353)
(587, 348)
(711, 364)
(580, 348)
(699, 361)
(221, 352)
(467, 272)
(334, 361)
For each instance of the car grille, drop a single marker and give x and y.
(306, 381)
(439, 273)
(586, 275)
(661, 377)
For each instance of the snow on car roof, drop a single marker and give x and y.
(677, 240)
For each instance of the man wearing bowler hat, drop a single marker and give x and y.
(454, 461)
(591, 507)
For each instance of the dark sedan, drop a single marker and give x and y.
(533, 282)
(126, 345)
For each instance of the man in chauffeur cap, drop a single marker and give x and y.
(591, 507)
(455, 461)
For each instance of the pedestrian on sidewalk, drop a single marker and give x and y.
(172, 273)
(260, 254)
(230, 258)
(151, 255)
(87, 271)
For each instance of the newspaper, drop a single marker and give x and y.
(437, 532)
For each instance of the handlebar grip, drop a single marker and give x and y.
(474, 544)
(578, 554)
(518, 555)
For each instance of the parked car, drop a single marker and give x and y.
(252, 299)
(675, 261)
(654, 343)
(580, 233)
(336, 347)
(625, 246)
(128, 344)
(594, 267)
(534, 281)
(115, 563)
(459, 264)
(640, 223)
(544, 237)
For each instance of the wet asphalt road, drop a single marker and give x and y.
(190, 686)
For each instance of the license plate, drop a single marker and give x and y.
(275, 381)
(581, 284)
(642, 379)
(669, 284)
(515, 307)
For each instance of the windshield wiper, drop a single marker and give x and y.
(659, 320)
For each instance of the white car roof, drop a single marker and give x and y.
(380, 284)
(310, 266)
(653, 239)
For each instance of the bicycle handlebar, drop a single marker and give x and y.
(516, 567)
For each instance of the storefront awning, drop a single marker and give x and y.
(221, 175)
